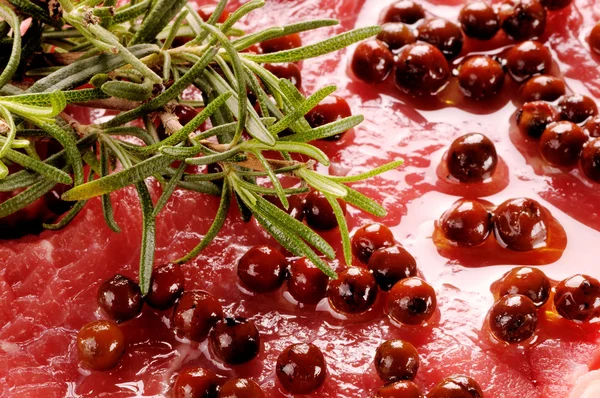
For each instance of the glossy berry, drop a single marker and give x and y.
(466, 223)
(443, 34)
(542, 88)
(411, 301)
(369, 238)
(577, 108)
(390, 265)
(520, 224)
(399, 389)
(396, 35)
(100, 345)
(456, 386)
(554, 5)
(120, 298)
(527, 59)
(195, 314)
(561, 143)
(590, 160)
(592, 126)
(594, 39)
(372, 61)
(523, 19)
(396, 360)
(281, 43)
(196, 382)
(406, 11)
(513, 318)
(353, 292)
(241, 388)
(472, 158)
(534, 117)
(207, 11)
(578, 298)
(329, 110)
(301, 368)
(306, 283)
(262, 269)
(319, 213)
(166, 286)
(235, 340)
(421, 69)
(480, 77)
(290, 71)
(295, 208)
(530, 282)
(479, 20)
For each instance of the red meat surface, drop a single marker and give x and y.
(48, 283)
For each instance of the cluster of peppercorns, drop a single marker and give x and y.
(418, 48)
(519, 224)
(522, 292)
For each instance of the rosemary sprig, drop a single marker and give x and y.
(127, 54)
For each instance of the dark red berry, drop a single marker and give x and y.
(241, 388)
(54, 202)
(421, 69)
(295, 208)
(306, 283)
(235, 340)
(480, 77)
(542, 88)
(578, 298)
(120, 298)
(479, 20)
(593, 126)
(534, 117)
(207, 11)
(195, 314)
(289, 71)
(456, 386)
(369, 238)
(396, 360)
(443, 34)
(513, 318)
(466, 223)
(411, 301)
(554, 5)
(590, 160)
(406, 11)
(527, 59)
(396, 35)
(390, 265)
(577, 108)
(372, 61)
(399, 389)
(520, 224)
(301, 368)
(523, 19)
(100, 345)
(594, 39)
(319, 213)
(353, 292)
(262, 269)
(561, 143)
(166, 286)
(329, 110)
(281, 43)
(472, 158)
(530, 282)
(196, 382)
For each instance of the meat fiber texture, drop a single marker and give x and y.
(48, 283)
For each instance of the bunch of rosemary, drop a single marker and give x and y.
(127, 55)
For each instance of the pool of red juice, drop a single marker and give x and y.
(560, 362)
